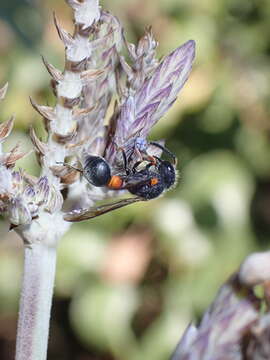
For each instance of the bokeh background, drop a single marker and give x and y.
(128, 283)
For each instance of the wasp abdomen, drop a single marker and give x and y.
(96, 170)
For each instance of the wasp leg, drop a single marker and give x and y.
(151, 163)
(125, 161)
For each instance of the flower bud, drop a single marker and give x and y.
(42, 190)
(19, 214)
(55, 200)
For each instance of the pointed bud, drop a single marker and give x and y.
(45, 111)
(147, 44)
(14, 155)
(55, 73)
(3, 91)
(63, 34)
(5, 129)
(78, 48)
(40, 147)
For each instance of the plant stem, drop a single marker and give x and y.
(35, 302)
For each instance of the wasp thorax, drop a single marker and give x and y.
(96, 170)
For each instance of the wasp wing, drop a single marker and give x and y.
(80, 215)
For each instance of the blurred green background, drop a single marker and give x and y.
(128, 283)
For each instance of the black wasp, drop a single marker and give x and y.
(147, 183)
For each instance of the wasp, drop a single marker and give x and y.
(145, 181)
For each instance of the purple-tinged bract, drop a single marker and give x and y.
(143, 107)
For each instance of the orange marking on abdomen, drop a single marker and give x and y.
(116, 182)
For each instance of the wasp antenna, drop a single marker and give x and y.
(167, 151)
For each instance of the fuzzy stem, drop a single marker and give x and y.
(35, 303)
